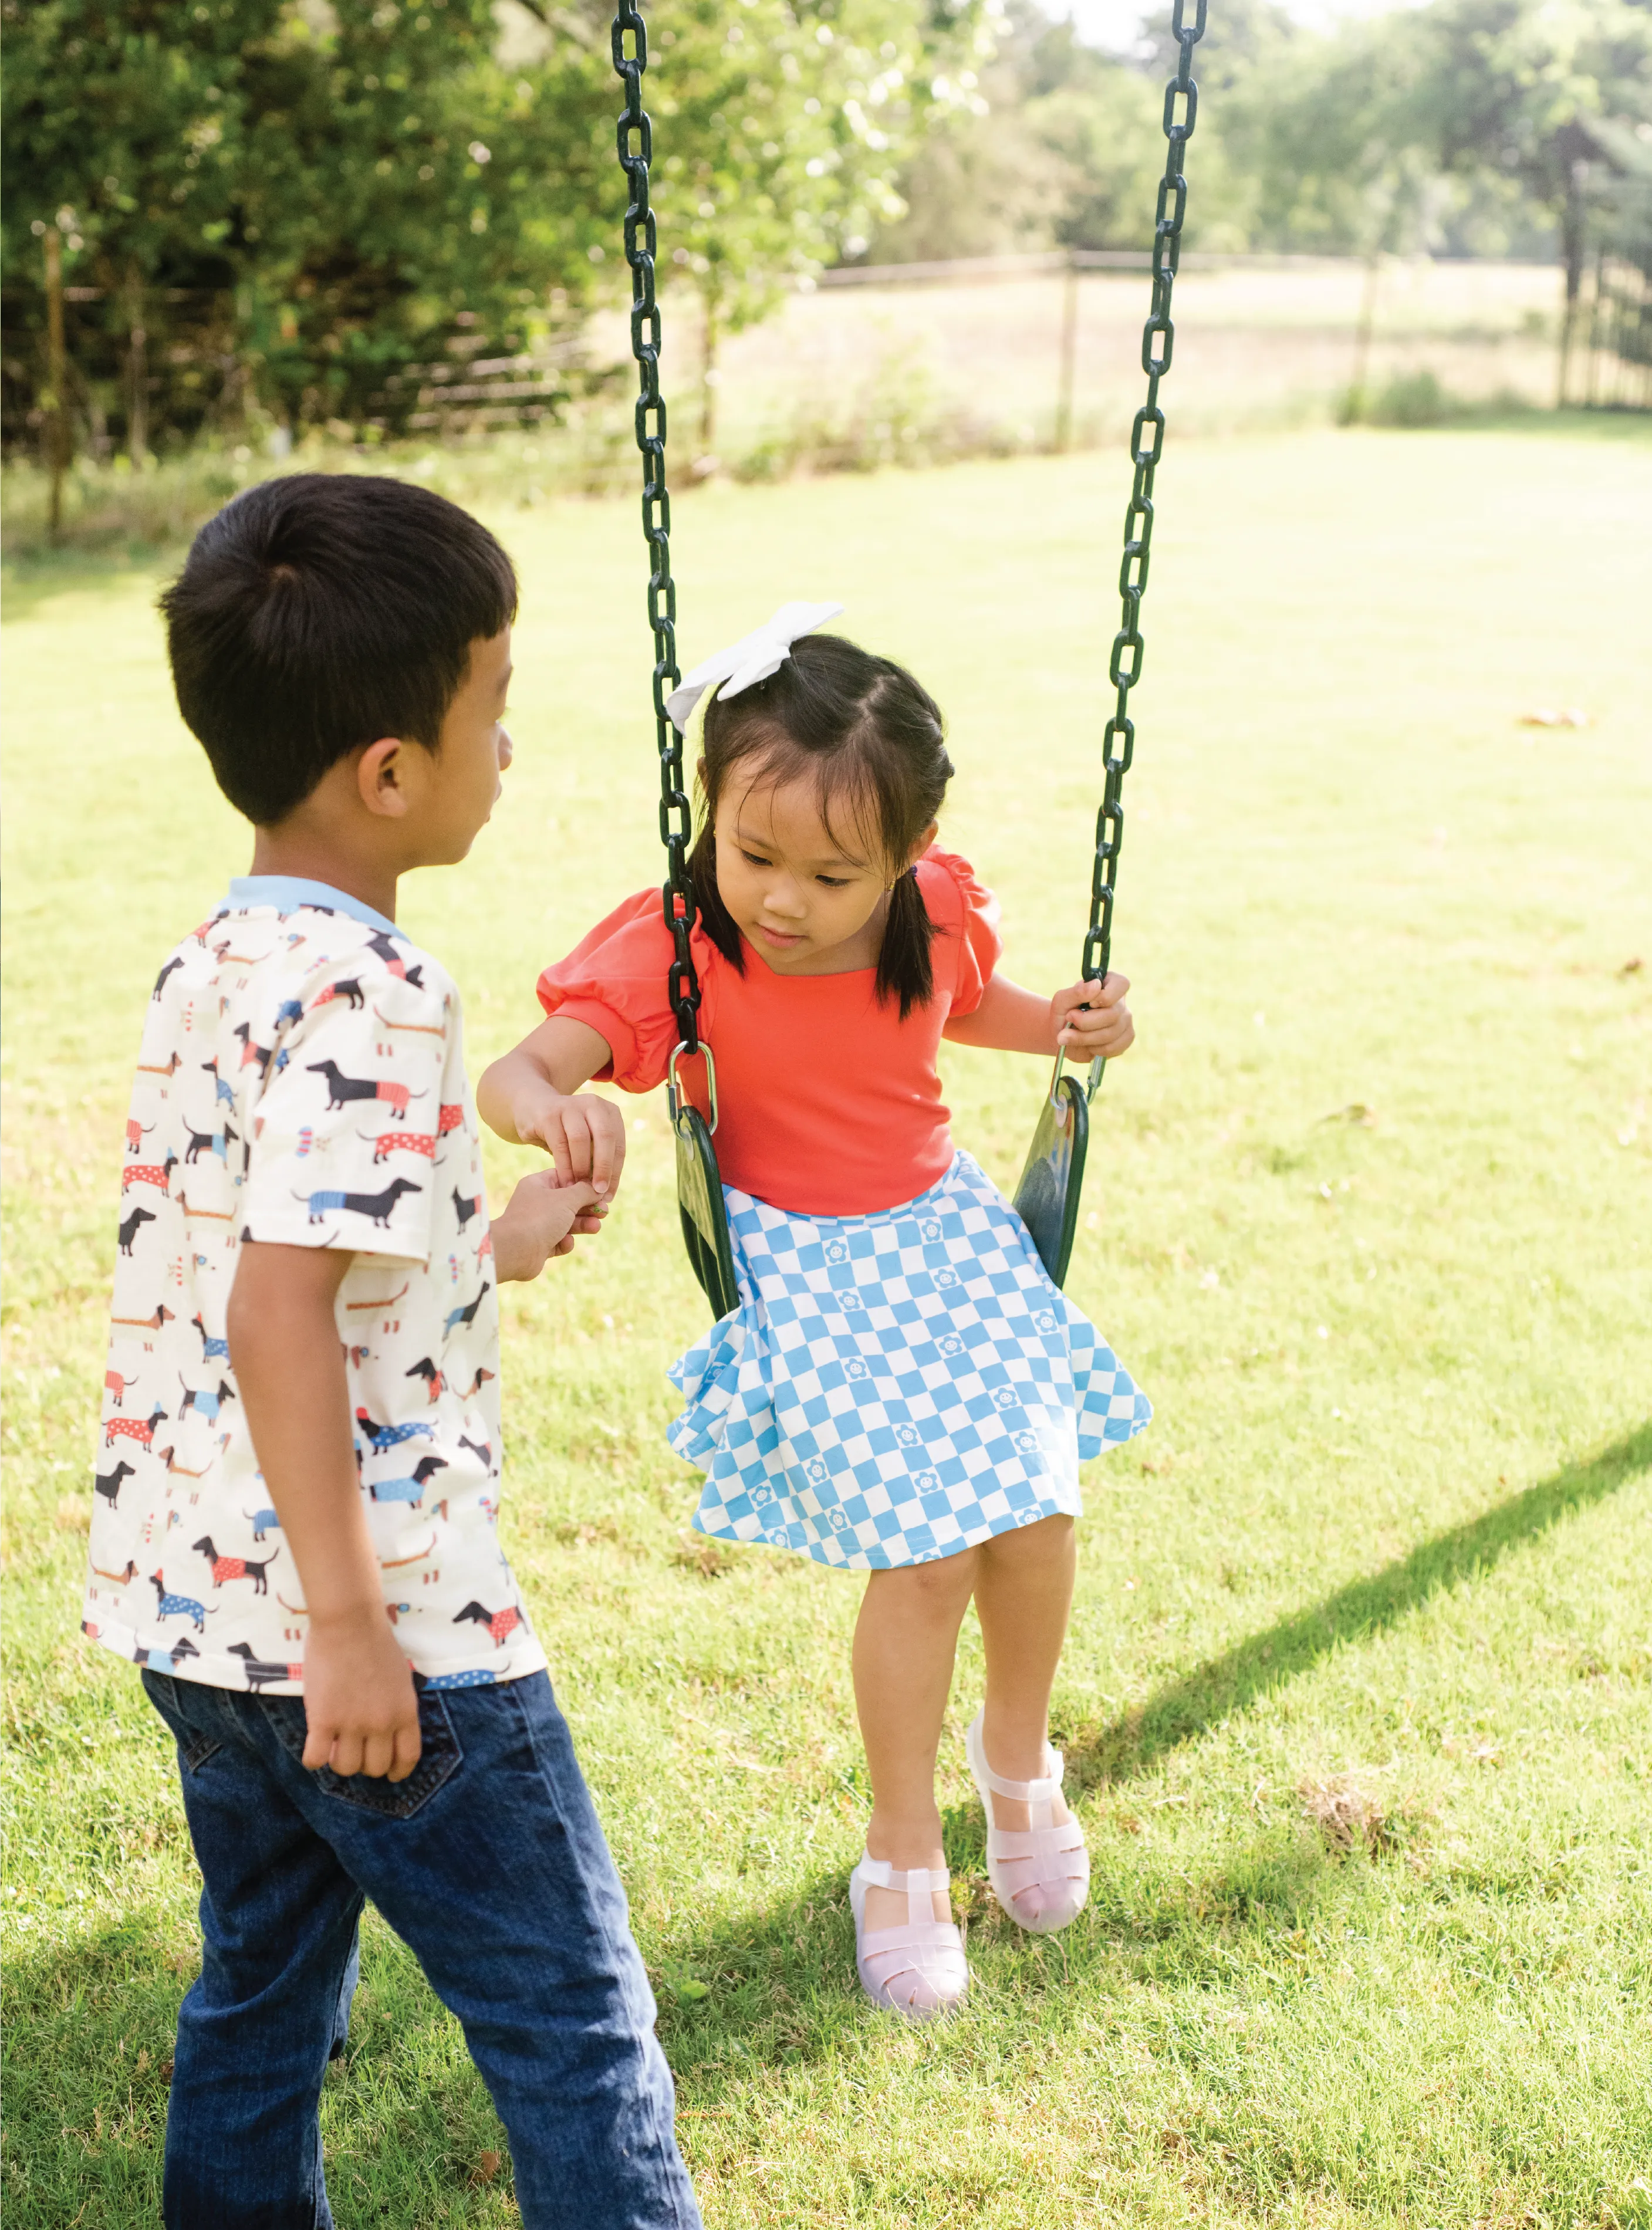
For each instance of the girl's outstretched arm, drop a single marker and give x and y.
(532, 1097)
(1091, 1020)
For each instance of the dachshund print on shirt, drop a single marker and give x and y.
(272, 1033)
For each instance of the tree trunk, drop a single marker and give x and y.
(59, 445)
(137, 373)
(709, 376)
(1573, 232)
(1354, 410)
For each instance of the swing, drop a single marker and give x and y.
(1046, 1196)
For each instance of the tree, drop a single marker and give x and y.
(1536, 90)
(122, 126)
(1064, 147)
(399, 177)
(780, 129)
(342, 183)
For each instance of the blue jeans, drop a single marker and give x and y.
(489, 1862)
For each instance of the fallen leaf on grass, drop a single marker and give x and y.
(1547, 717)
(571, 1536)
(691, 1990)
(1348, 1816)
(1355, 1113)
(697, 1552)
(487, 2168)
(1632, 967)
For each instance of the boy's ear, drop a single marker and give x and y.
(381, 777)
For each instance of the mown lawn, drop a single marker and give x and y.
(1357, 1692)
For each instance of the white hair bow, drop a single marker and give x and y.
(753, 658)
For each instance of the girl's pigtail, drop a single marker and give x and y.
(904, 970)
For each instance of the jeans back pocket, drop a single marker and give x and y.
(439, 1758)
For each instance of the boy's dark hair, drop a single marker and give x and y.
(318, 612)
(874, 740)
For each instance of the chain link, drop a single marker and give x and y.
(635, 140)
(1157, 339)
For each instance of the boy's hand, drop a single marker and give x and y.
(1092, 1021)
(360, 1708)
(584, 1134)
(538, 1221)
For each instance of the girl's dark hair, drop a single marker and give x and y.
(874, 740)
(319, 611)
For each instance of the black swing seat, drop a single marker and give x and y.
(1047, 1197)
(1052, 1180)
(701, 1206)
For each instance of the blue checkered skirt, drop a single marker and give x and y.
(895, 1387)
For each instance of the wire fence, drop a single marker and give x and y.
(1606, 344)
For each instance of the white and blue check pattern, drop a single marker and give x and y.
(895, 1387)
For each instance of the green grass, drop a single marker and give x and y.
(1357, 1697)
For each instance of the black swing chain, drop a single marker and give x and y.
(1124, 670)
(634, 139)
(1158, 336)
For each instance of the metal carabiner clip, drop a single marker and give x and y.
(1092, 1082)
(675, 1097)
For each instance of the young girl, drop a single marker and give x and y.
(902, 1389)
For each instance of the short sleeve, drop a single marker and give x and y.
(959, 905)
(614, 981)
(344, 1131)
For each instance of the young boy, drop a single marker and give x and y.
(294, 1522)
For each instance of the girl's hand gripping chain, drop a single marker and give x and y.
(1092, 1021)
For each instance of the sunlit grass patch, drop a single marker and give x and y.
(1356, 1703)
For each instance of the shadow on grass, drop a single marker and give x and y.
(782, 1994)
(1265, 1661)
(90, 2027)
(780, 1982)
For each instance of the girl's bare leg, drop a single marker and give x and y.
(904, 1643)
(1024, 1591)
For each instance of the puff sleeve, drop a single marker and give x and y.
(613, 981)
(967, 911)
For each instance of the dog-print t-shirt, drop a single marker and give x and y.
(301, 1083)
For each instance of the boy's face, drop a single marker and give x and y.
(463, 776)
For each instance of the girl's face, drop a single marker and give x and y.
(811, 899)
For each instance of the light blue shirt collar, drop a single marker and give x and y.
(287, 892)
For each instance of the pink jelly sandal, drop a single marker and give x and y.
(919, 1969)
(1041, 1873)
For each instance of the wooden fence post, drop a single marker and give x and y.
(58, 447)
(1069, 359)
